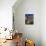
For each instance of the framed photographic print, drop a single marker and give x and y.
(29, 19)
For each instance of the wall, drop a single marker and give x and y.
(6, 16)
(6, 13)
(43, 22)
(29, 31)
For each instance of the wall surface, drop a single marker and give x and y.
(6, 13)
(29, 31)
(43, 22)
(6, 16)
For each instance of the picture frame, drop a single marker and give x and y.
(29, 19)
